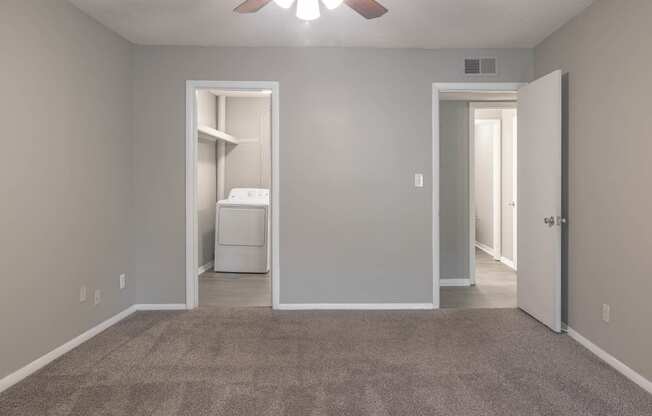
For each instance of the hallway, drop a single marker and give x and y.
(233, 290)
(495, 287)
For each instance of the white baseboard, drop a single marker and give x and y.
(46, 359)
(507, 262)
(206, 267)
(485, 248)
(355, 306)
(160, 307)
(612, 361)
(454, 282)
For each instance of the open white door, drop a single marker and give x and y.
(540, 199)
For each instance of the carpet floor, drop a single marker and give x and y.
(258, 362)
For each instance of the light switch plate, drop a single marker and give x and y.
(418, 180)
(123, 281)
(82, 294)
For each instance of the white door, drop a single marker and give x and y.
(539, 196)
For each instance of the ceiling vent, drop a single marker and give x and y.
(480, 66)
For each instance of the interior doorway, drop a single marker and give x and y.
(493, 169)
(541, 206)
(477, 189)
(492, 193)
(232, 194)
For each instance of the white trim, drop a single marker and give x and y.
(485, 248)
(161, 307)
(497, 183)
(46, 359)
(191, 194)
(206, 267)
(435, 199)
(507, 262)
(355, 306)
(455, 282)
(618, 365)
(515, 191)
(471, 189)
(478, 86)
(192, 292)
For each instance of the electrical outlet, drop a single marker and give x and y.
(606, 313)
(82, 294)
(123, 281)
(98, 297)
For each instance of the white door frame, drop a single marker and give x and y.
(438, 88)
(192, 268)
(514, 264)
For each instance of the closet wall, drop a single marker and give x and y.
(248, 164)
(206, 179)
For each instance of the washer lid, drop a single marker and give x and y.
(258, 202)
(249, 193)
(247, 196)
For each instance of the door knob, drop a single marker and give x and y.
(550, 221)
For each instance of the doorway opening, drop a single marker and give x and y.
(492, 207)
(541, 205)
(232, 198)
(477, 187)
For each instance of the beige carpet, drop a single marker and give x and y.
(258, 362)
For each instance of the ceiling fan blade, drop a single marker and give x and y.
(370, 9)
(251, 6)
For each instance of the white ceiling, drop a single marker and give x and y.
(430, 24)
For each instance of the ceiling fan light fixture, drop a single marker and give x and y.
(308, 9)
(286, 4)
(332, 4)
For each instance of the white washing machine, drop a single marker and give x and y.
(242, 232)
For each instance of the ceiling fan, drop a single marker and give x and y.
(309, 9)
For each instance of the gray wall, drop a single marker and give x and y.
(65, 176)
(249, 164)
(353, 228)
(206, 109)
(454, 189)
(206, 179)
(606, 53)
(207, 199)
